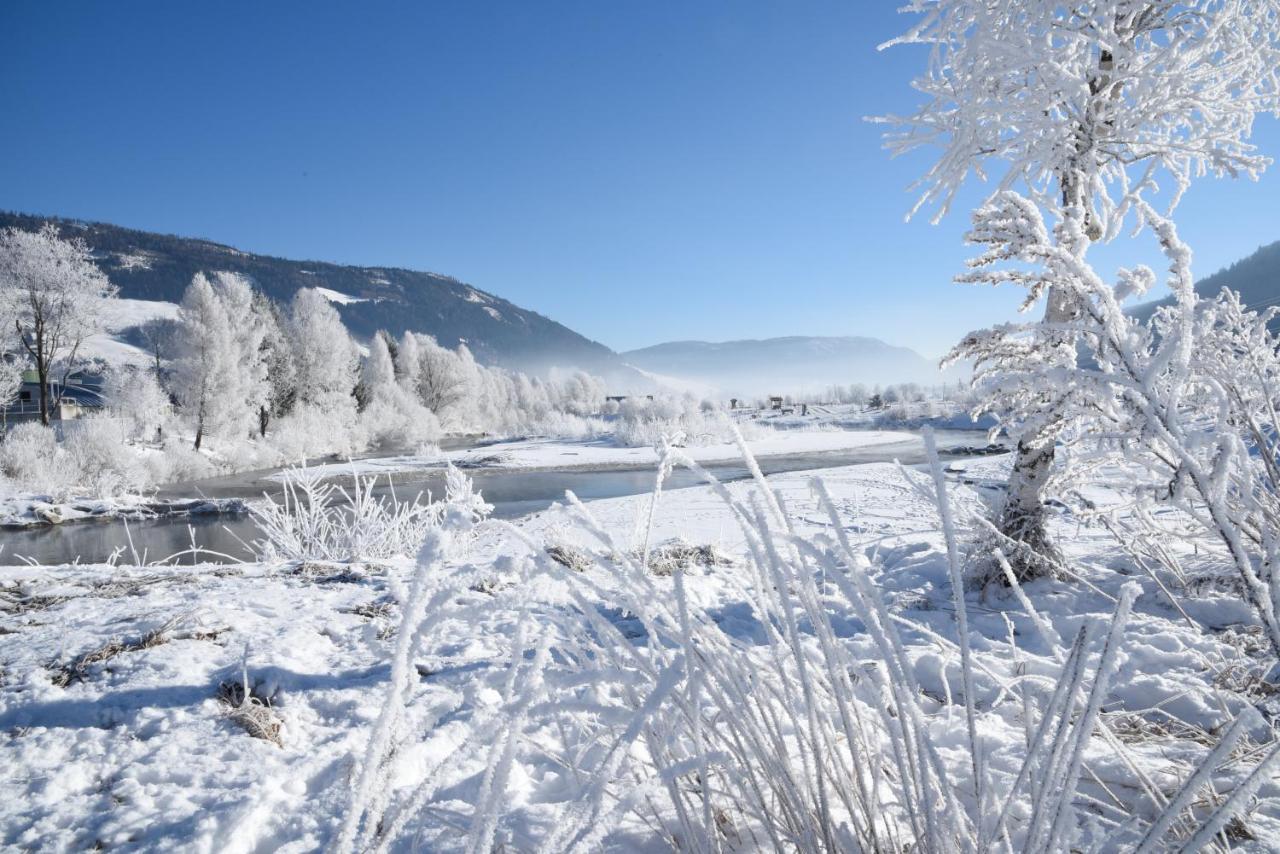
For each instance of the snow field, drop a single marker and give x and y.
(582, 740)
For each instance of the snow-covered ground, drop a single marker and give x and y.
(338, 297)
(132, 747)
(118, 317)
(25, 511)
(563, 454)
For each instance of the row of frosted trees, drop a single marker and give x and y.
(241, 366)
(235, 367)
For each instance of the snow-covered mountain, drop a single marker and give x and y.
(1256, 278)
(158, 267)
(753, 368)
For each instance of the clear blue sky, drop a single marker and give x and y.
(639, 171)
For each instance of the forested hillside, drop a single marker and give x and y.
(153, 266)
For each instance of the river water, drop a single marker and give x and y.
(513, 493)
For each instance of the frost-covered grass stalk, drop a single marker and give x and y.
(803, 727)
(318, 520)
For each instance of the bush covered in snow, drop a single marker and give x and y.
(646, 422)
(92, 460)
(32, 461)
(318, 520)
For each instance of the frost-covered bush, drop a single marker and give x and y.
(134, 397)
(318, 520)
(398, 420)
(641, 422)
(176, 462)
(92, 460)
(308, 432)
(104, 463)
(32, 460)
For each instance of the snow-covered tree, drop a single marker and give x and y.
(203, 374)
(52, 292)
(324, 356)
(249, 327)
(134, 397)
(441, 379)
(405, 359)
(1083, 107)
(276, 356)
(391, 413)
(1190, 398)
(378, 371)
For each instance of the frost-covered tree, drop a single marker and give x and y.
(204, 373)
(134, 397)
(276, 356)
(160, 334)
(1189, 398)
(405, 359)
(11, 371)
(324, 356)
(1083, 107)
(248, 382)
(378, 371)
(441, 379)
(391, 413)
(52, 293)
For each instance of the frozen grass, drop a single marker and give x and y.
(799, 725)
(319, 521)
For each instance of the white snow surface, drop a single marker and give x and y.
(338, 297)
(560, 454)
(139, 754)
(119, 316)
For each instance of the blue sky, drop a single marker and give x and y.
(639, 172)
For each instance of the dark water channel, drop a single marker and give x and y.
(512, 493)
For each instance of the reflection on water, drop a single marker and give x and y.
(513, 493)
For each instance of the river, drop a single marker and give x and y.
(512, 492)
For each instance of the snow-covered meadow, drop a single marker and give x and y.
(525, 685)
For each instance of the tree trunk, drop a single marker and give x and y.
(199, 433)
(263, 418)
(42, 375)
(1023, 517)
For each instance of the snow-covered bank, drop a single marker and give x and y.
(112, 676)
(29, 511)
(560, 454)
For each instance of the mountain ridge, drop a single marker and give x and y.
(155, 266)
(1256, 277)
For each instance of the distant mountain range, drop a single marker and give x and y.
(755, 368)
(149, 266)
(797, 364)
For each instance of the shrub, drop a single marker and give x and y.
(31, 458)
(99, 454)
(317, 520)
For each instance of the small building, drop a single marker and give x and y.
(775, 402)
(82, 393)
